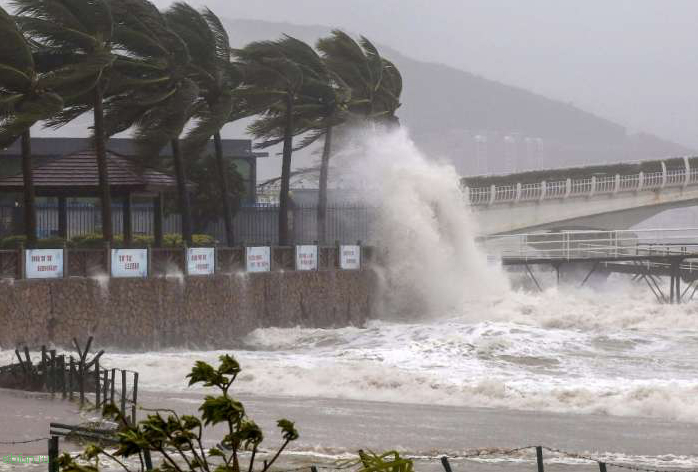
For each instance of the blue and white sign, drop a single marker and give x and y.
(258, 259)
(44, 263)
(129, 262)
(201, 260)
(350, 257)
(306, 258)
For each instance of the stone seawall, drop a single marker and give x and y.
(203, 312)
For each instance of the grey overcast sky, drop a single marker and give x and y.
(632, 61)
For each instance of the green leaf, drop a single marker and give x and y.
(288, 429)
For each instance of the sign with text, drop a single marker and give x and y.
(129, 262)
(201, 260)
(306, 257)
(350, 257)
(258, 259)
(44, 263)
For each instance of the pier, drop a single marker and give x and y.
(646, 255)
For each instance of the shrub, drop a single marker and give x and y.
(177, 440)
(89, 240)
(13, 242)
(198, 240)
(51, 243)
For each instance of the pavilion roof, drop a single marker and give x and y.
(76, 174)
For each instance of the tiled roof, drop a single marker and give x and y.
(79, 171)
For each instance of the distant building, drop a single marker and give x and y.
(239, 151)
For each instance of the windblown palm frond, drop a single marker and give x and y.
(24, 97)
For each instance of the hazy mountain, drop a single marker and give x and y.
(480, 125)
(486, 126)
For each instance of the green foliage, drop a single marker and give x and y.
(13, 242)
(207, 202)
(389, 461)
(176, 442)
(95, 240)
(198, 240)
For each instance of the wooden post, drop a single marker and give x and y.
(44, 367)
(63, 384)
(112, 383)
(66, 264)
(107, 260)
(445, 464)
(185, 258)
(105, 383)
(602, 467)
(98, 390)
(313, 468)
(123, 393)
(63, 217)
(127, 219)
(148, 461)
(149, 253)
(539, 458)
(22, 262)
(158, 220)
(71, 376)
(52, 372)
(135, 398)
(53, 454)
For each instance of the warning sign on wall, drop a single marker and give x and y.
(201, 260)
(44, 263)
(306, 258)
(129, 262)
(258, 259)
(350, 257)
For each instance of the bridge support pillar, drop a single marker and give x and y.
(675, 286)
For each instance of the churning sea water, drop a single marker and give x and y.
(455, 340)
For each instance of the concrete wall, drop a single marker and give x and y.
(202, 312)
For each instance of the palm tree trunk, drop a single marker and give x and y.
(29, 196)
(223, 182)
(102, 171)
(322, 195)
(286, 174)
(183, 193)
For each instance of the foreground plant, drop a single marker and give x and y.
(175, 442)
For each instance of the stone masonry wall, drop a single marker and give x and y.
(201, 312)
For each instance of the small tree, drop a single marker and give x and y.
(177, 440)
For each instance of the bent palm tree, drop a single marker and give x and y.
(25, 98)
(76, 37)
(357, 70)
(217, 77)
(277, 76)
(160, 106)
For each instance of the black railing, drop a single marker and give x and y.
(252, 224)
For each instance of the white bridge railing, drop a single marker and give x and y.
(584, 187)
(568, 245)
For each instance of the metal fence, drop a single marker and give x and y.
(252, 224)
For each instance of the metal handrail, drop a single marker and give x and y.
(593, 244)
(582, 187)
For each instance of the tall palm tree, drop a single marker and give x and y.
(357, 69)
(76, 37)
(278, 75)
(217, 77)
(25, 98)
(161, 105)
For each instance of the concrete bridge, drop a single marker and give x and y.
(596, 197)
